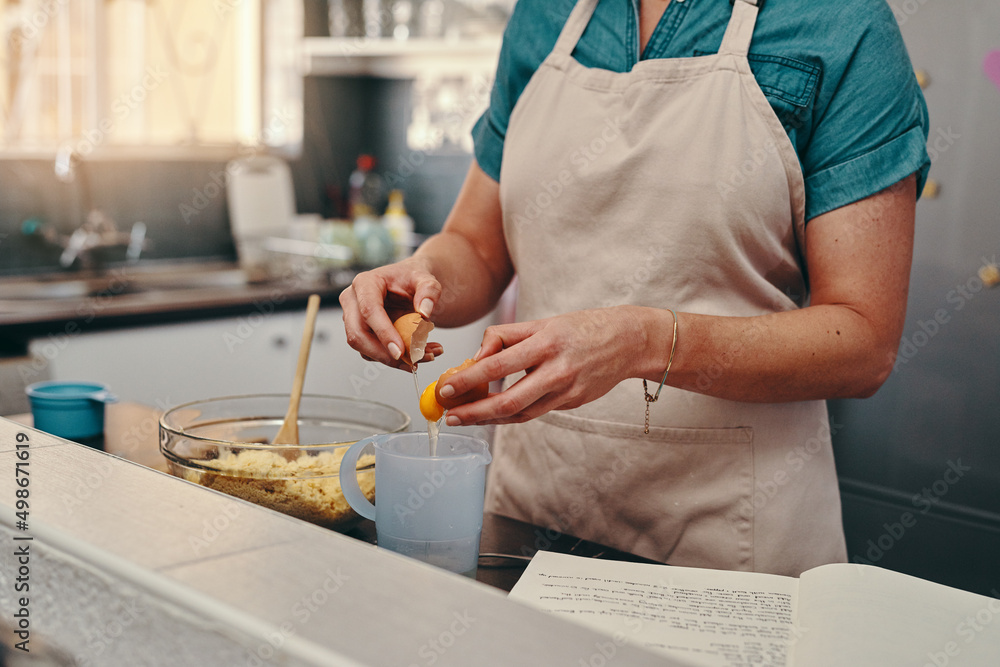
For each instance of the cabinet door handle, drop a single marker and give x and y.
(990, 275)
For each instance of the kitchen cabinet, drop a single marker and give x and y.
(918, 462)
(398, 59)
(443, 86)
(169, 364)
(404, 40)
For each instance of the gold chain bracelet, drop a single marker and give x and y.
(670, 361)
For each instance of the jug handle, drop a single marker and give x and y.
(103, 396)
(349, 480)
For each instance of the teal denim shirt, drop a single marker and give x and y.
(836, 73)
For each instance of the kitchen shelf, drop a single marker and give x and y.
(390, 58)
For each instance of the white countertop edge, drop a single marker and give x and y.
(173, 592)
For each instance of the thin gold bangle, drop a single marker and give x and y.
(670, 361)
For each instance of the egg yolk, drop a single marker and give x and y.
(429, 407)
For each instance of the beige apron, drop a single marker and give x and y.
(672, 186)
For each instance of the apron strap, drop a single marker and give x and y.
(739, 32)
(575, 25)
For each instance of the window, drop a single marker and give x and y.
(188, 77)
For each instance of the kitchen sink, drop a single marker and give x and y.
(127, 280)
(149, 289)
(31, 290)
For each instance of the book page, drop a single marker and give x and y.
(708, 618)
(867, 616)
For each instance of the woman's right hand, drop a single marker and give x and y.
(455, 277)
(373, 301)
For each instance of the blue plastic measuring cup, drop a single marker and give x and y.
(428, 508)
(69, 409)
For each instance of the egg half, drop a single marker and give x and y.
(413, 328)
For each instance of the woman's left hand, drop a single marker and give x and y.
(569, 359)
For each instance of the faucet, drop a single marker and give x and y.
(98, 230)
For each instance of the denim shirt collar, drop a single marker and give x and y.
(665, 30)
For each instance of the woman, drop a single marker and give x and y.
(729, 218)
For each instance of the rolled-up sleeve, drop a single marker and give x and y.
(530, 34)
(872, 130)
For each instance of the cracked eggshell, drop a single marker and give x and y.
(414, 329)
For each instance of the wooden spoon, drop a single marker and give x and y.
(289, 432)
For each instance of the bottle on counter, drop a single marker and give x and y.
(365, 191)
(365, 188)
(399, 224)
(374, 243)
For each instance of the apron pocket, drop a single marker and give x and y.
(683, 496)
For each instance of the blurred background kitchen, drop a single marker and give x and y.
(175, 176)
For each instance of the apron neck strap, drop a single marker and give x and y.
(736, 41)
(739, 32)
(575, 25)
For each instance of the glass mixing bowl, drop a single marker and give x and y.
(223, 444)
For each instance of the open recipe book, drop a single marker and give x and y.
(834, 615)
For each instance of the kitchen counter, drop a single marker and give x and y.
(145, 293)
(131, 433)
(126, 562)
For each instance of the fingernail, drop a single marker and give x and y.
(478, 352)
(447, 391)
(395, 351)
(426, 306)
(453, 421)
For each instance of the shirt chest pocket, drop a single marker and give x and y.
(789, 85)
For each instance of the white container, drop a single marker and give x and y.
(261, 201)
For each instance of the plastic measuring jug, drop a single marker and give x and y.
(426, 507)
(69, 409)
